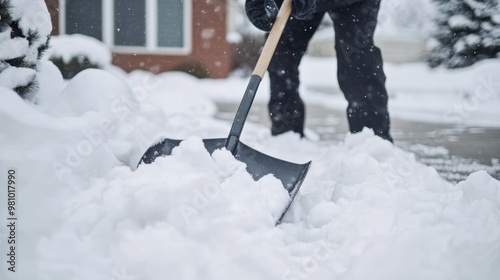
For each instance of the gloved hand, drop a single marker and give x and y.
(263, 13)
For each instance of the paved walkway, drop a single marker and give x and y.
(455, 152)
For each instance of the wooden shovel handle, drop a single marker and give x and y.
(273, 39)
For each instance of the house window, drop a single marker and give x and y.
(84, 17)
(160, 26)
(130, 23)
(170, 23)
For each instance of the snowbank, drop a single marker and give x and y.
(367, 209)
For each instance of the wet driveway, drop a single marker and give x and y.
(454, 151)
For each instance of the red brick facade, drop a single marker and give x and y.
(210, 56)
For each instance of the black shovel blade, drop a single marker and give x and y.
(290, 174)
(258, 164)
(166, 145)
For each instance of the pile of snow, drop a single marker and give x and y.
(367, 209)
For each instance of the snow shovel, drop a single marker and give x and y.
(258, 164)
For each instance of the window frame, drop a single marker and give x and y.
(151, 29)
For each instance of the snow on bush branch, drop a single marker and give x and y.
(25, 28)
(467, 31)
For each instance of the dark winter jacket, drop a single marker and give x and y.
(262, 13)
(325, 5)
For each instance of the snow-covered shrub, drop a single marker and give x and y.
(467, 31)
(75, 53)
(25, 28)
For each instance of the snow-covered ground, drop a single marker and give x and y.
(367, 209)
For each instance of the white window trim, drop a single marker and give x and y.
(151, 29)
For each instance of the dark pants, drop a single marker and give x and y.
(360, 71)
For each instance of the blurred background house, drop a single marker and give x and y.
(212, 38)
(153, 35)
